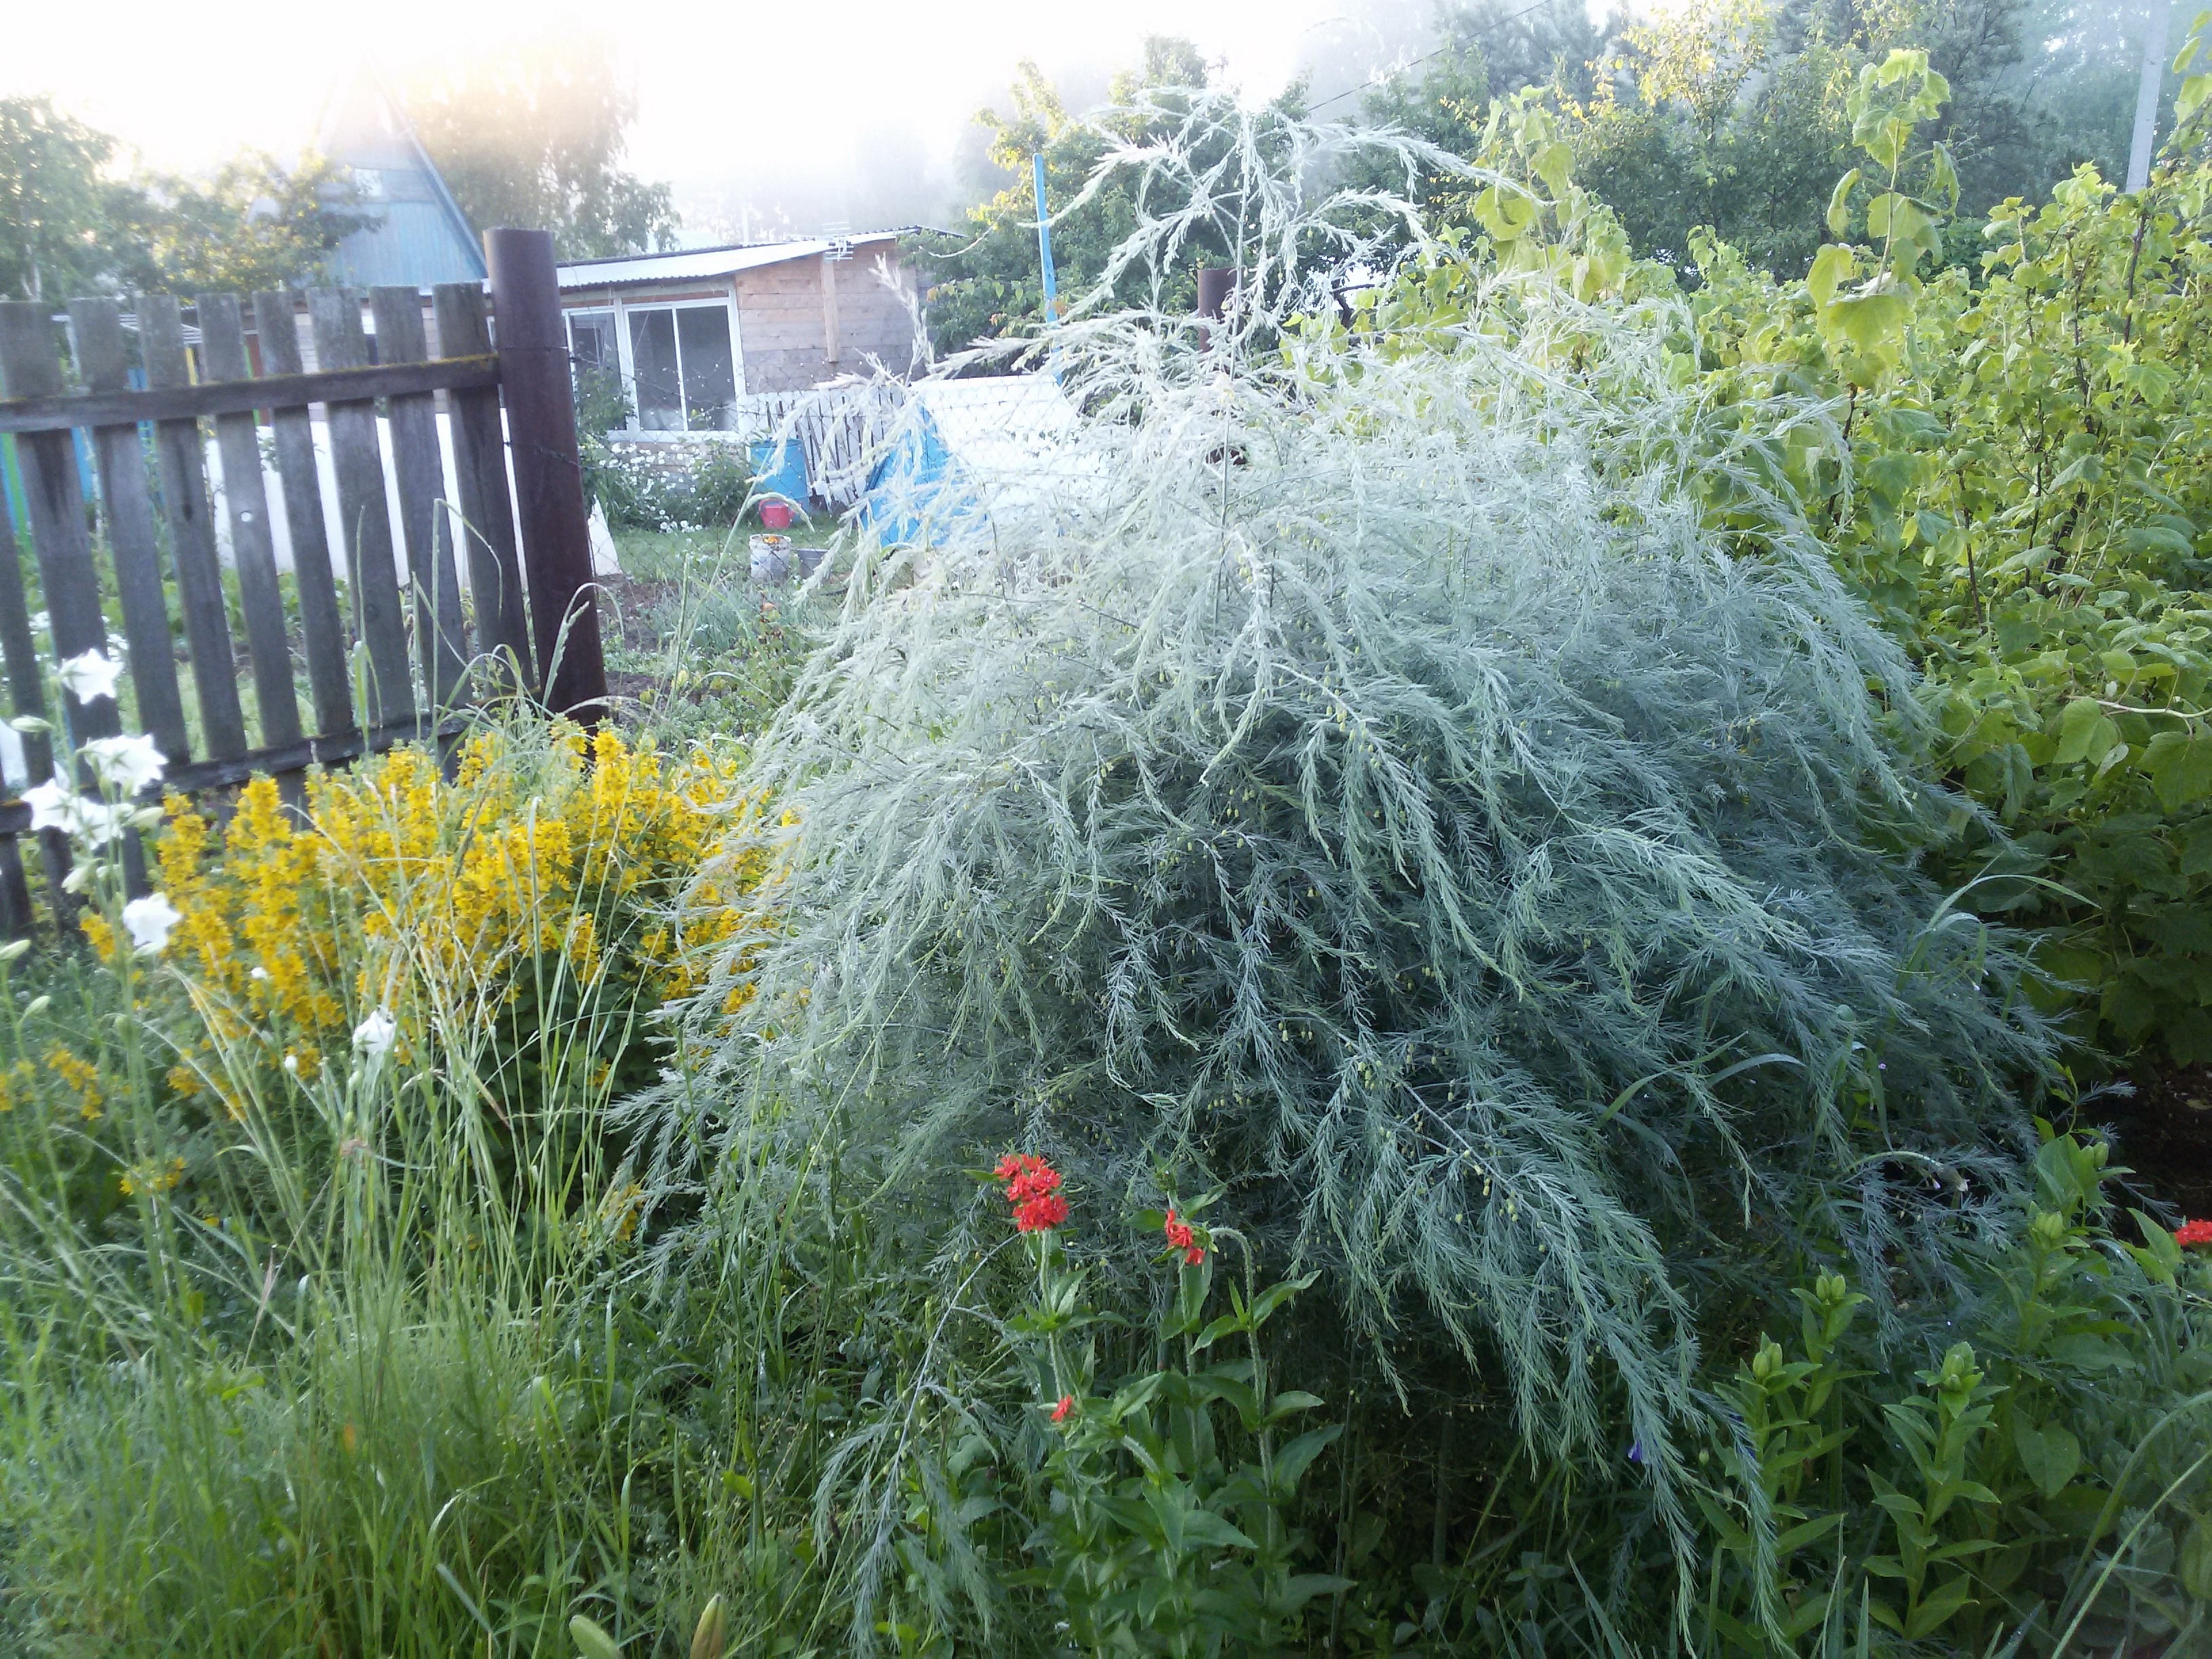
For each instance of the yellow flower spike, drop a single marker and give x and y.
(82, 1078)
(403, 887)
(96, 929)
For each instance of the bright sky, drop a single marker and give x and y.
(723, 88)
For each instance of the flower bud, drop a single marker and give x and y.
(1767, 1361)
(711, 1635)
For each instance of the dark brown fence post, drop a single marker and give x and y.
(549, 484)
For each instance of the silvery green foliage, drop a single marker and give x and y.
(1365, 783)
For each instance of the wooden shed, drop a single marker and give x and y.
(703, 335)
(416, 233)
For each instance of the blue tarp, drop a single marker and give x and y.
(917, 479)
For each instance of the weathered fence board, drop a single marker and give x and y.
(533, 583)
(20, 650)
(549, 479)
(60, 411)
(372, 570)
(839, 431)
(132, 540)
(29, 359)
(181, 458)
(487, 507)
(420, 470)
(322, 631)
(54, 512)
(253, 543)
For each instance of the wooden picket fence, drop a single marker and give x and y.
(373, 679)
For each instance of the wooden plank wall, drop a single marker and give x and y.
(786, 320)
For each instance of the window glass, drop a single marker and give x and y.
(594, 361)
(591, 339)
(653, 357)
(710, 386)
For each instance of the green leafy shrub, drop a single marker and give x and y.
(2042, 1475)
(2006, 464)
(643, 490)
(2018, 486)
(721, 486)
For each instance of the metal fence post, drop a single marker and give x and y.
(549, 486)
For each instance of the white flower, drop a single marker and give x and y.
(125, 765)
(89, 677)
(52, 806)
(99, 822)
(150, 921)
(374, 1036)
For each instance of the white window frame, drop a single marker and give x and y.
(569, 315)
(629, 363)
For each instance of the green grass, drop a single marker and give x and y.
(658, 555)
(697, 649)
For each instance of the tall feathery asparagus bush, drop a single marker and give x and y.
(1347, 781)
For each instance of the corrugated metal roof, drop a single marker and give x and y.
(694, 263)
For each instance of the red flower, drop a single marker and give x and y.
(1033, 1189)
(1180, 1237)
(1067, 1405)
(1040, 1214)
(2193, 1232)
(1027, 1176)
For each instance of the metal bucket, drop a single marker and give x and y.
(771, 558)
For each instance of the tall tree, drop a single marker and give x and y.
(1521, 45)
(985, 283)
(1730, 113)
(1486, 49)
(254, 225)
(72, 225)
(535, 138)
(67, 225)
(1705, 116)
